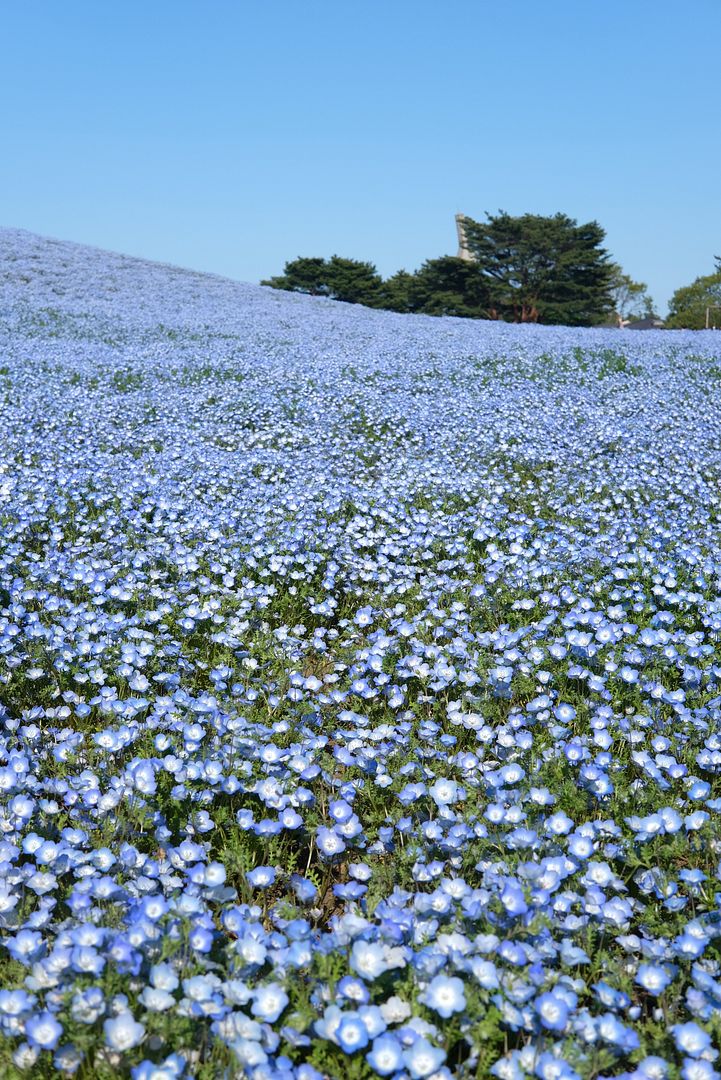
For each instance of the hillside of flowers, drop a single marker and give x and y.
(360, 687)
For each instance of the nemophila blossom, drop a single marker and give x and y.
(513, 899)
(329, 842)
(262, 877)
(304, 889)
(156, 1000)
(693, 878)
(444, 995)
(351, 1033)
(123, 1032)
(580, 845)
(353, 989)
(508, 1067)
(552, 1011)
(368, 959)
(386, 1055)
(559, 824)
(171, 1069)
(68, 1059)
(693, 1040)
(88, 1005)
(25, 946)
(269, 1002)
(43, 1031)
(611, 1030)
(653, 978)
(551, 1067)
(698, 1069)
(652, 1068)
(445, 792)
(423, 1059)
(689, 945)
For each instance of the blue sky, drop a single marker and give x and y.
(230, 136)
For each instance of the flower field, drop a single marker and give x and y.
(360, 687)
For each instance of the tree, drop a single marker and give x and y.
(687, 308)
(450, 286)
(396, 291)
(355, 282)
(542, 269)
(340, 279)
(443, 286)
(630, 299)
(307, 275)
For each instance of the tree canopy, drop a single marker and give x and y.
(630, 299)
(444, 286)
(341, 279)
(542, 269)
(687, 308)
(528, 268)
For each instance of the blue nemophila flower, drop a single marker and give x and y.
(444, 995)
(580, 845)
(329, 842)
(340, 810)
(43, 1030)
(88, 1005)
(304, 889)
(692, 1040)
(25, 946)
(551, 1067)
(171, 1069)
(156, 1000)
(15, 1003)
(613, 1031)
(269, 1002)
(353, 989)
(422, 1058)
(653, 977)
(513, 899)
(552, 1011)
(123, 1032)
(368, 959)
(351, 1033)
(652, 1068)
(262, 877)
(445, 792)
(559, 824)
(386, 1055)
(698, 1069)
(68, 1058)
(692, 877)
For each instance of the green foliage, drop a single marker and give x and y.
(397, 290)
(350, 280)
(307, 275)
(525, 269)
(687, 308)
(630, 299)
(542, 269)
(613, 363)
(444, 286)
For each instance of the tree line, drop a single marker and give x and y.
(527, 268)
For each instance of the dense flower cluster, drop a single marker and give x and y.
(360, 684)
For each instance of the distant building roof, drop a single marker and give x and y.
(646, 324)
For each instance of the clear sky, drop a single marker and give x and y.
(230, 136)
